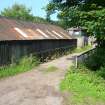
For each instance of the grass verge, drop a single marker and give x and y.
(79, 50)
(25, 64)
(87, 87)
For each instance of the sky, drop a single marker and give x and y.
(36, 6)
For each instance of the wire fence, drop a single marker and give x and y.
(48, 55)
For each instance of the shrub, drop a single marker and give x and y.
(30, 61)
(101, 72)
(96, 60)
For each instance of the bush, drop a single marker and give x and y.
(96, 60)
(101, 72)
(30, 61)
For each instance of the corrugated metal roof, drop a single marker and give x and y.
(11, 29)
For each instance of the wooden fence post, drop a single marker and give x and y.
(76, 62)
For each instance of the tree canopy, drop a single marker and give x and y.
(88, 14)
(21, 12)
(78, 2)
(18, 11)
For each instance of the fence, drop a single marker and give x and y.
(12, 51)
(83, 56)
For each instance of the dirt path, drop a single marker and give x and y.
(36, 87)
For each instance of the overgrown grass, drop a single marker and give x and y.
(25, 64)
(51, 69)
(87, 87)
(79, 50)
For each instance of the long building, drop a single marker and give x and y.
(20, 38)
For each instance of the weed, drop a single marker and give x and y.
(25, 64)
(86, 86)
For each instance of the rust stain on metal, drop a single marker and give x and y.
(11, 29)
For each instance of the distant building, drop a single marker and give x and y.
(81, 36)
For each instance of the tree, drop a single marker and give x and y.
(50, 10)
(18, 11)
(78, 2)
(89, 14)
(37, 19)
(21, 12)
(94, 22)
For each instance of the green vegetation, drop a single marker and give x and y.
(79, 50)
(25, 64)
(18, 11)
(88, 14)
(51, 69)
(87, 82)
(96, 60)
(86, 87)
(21, 12)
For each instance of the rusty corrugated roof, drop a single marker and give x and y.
(11, 29)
